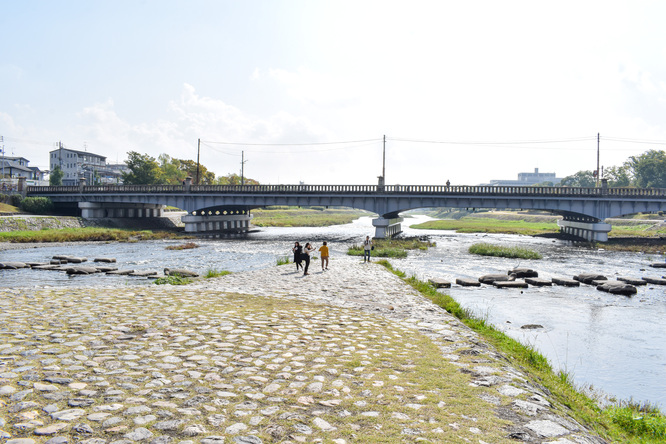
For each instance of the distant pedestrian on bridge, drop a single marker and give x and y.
(324, 256)
(367, 248)
(298, 253)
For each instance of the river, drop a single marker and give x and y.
(614, 344)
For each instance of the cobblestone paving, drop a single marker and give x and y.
(349, 355)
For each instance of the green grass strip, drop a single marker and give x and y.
(484, 249)
(626, 422)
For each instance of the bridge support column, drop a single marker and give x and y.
(590, 231)
(97, 210)
(385, 228)
(225, 223)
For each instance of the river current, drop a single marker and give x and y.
(615, 345)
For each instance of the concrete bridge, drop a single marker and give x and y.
(213, 208)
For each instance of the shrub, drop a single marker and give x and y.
(15, 200)
(172, 280)
(36, 205)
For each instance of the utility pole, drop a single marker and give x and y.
(2, 141)
(243, 167)
(598, 178)
(384, 161)
(198, 150)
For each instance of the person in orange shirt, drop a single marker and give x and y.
(324, 256)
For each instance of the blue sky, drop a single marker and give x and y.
(282, 80)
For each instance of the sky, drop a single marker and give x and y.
(306, 90)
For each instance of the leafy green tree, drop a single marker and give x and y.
(190, 167)
(55, 178)
(617, 176)
(235, 179)
(172, 171)
(580, 179)
(143, 170)
(648, 169)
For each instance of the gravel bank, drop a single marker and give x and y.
(341, 356)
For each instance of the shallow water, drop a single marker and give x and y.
(614, 343)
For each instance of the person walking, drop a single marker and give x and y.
(367, 247)
(298, 253)
(306, 257)
(323, 250)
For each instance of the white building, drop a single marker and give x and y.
(528, 179)
(77, 165)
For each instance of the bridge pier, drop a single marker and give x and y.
(385, 228)
(217, 223)
(591, 231)
(97, 210)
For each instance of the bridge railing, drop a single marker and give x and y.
(350, 189)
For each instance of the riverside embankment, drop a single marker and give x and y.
(352, 354)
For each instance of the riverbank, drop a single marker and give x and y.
(352, 354)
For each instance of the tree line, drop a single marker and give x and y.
(143, 169)
(647, 170)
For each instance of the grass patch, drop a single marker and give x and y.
(284, 260)
(210, 273)
(172, 280)
(484, 249)
(85, 234)
(185, 246)
(304, 217)
(393, 248)
(622, 423)
(488, 225)
(5, 208)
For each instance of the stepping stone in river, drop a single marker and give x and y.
(657, 281)
(492, 278)
(121, 272)
(510, 284)
(658, 265)
(12, 265)
(107, 260)
(632, 281)
(588, 278)
(566, 282)
(521, 273)
(82, 270)
(439, 283)
(468, 282)
(144, 273)
(538, 282)
(617, 287)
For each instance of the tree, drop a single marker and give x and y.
(172, 171)
(55, 178)
(580, 179)
(143, 170)
(648, 169)
(190, 167)
(235, 179)
(617, 176)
